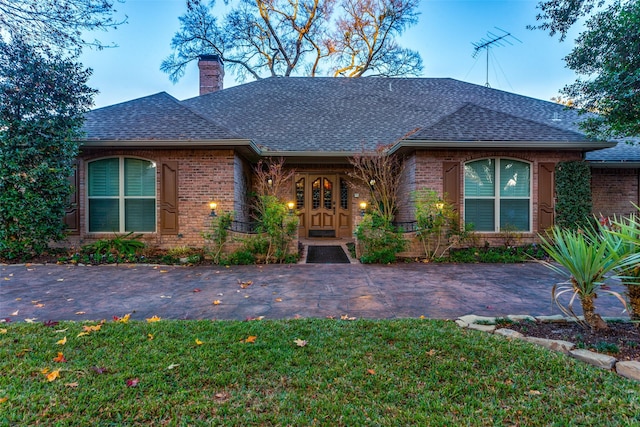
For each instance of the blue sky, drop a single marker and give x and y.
(443, 36)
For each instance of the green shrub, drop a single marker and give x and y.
(242, 257)
(217, 235)
(379, 240)
(279, 227)
(117, 249)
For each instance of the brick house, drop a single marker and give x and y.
(153, 164)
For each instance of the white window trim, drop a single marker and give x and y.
(496, 197)
(121, 197)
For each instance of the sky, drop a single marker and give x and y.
(532, 66)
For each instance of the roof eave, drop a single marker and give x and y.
(614, 164)
(511, 145)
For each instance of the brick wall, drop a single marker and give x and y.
(614, 190)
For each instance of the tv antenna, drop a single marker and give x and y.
(488, 42)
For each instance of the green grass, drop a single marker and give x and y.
(350, 373)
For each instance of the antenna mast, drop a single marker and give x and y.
(487, 42)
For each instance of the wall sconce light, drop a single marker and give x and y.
(291, 205)
(213, 206)
(270, 182)
(363, 207)
(439, 206)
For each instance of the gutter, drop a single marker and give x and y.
(511, 145)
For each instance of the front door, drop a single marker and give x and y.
(323, 205)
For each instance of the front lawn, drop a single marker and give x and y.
(296, 372)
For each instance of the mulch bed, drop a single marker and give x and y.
(621, 340)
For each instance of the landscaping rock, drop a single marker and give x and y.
(472, 318)
(483, 328)
(509, 333)
(521, 318)
(555, 345)
(596, 359)
(552, 319)
(629, 369)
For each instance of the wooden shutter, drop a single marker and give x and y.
(451, 183)
(545, 195)
(72, 214)
(169, 198)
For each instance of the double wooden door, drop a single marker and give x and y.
(323, 204)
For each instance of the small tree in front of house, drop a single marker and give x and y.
(43, 98)
(380, 172)
(275, 222)
(438, 223)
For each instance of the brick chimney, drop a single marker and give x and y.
(211, 73)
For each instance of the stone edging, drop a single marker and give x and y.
(627, 369)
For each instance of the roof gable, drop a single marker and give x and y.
(154, 117)
(472, 122)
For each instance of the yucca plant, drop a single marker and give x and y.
(623, 238)
(586, 259)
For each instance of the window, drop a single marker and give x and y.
(122, 195)
(497, 195)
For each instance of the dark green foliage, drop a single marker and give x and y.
(573, 192)
(380, 242)
(278, 226)
(43, 99)
(217, 235)
(607, 54)
(502, 254)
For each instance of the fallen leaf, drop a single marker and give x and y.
(15, 313)
(53, 375)
(99, 370)
(93, 328)
(216, 302)
(39, 305)
(165, 296)
(278, 299)
(150, 336)
(300, 343)
(371, 372)
(431, 352)
(222, 396)
(31, 320)
(3, 399)
(59, 358)
(153, 319)
(164, 271)
(173, 366)
(196, 290)
(60, 331)
(78, 313)
(63, 341)
(123, 319)
(44, 371)
(60, 280)
(82, 334)
(251, 339)
(246, 284)
(72, 385)
(198, 342)
(6, 278)
(3, 331)
(133, 382)
(533, 393)
(50, 323)
(346, 317)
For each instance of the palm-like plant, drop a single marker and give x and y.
(623, 238)
(587, 259)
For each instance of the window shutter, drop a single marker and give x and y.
(451, 183)
(72, 214)
(545, 195)
(169, 198)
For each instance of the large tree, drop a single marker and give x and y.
(43, 99)
(606, 56)
(260, 38)
(57, 24)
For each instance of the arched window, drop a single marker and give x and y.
(121, 195)
(497, 195)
